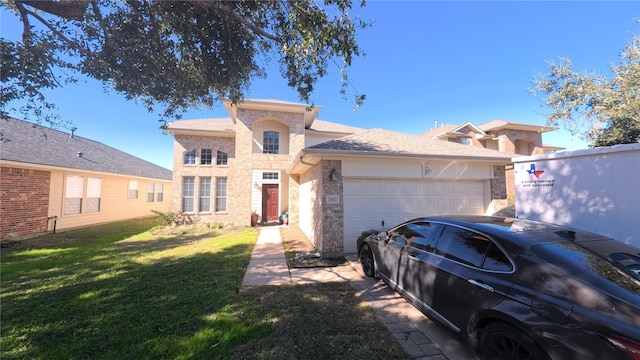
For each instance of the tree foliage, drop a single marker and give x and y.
(174, 55)
(604, 111)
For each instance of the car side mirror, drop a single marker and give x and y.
(384, 237)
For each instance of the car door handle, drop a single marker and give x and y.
(481, 284)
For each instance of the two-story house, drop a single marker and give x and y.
(517, 139)
(334, 180)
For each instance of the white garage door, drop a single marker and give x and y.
(368, 202)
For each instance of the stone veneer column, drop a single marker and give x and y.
(498, 189)
(332, 215)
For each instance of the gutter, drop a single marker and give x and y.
(316, 155)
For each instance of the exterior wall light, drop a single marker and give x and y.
(333, 176)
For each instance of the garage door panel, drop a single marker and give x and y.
(476, 204)
(373, 186)
(475, 187)
(368, 202)
(425, 189)
(443, 187)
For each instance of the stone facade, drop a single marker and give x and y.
(499, 185)
(332, 215)
(244, 157)
(25, 202)
(313, 192)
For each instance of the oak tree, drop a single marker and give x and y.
(602, 110)
(174, 55)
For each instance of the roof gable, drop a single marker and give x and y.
(450, 130)
(35, 144)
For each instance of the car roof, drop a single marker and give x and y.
(534, 232)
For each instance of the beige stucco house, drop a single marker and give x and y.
(509, 137)
(56, 180)
(334, 180)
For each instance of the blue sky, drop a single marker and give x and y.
(426, 61)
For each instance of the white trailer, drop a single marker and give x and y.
(597, 190)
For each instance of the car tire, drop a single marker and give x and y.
(500, 341)
(367, 261)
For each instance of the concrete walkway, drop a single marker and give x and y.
(419, 336)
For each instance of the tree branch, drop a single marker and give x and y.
(26, 26)
(103, 26)
(56, 32)
(237, 17)
(67, 9)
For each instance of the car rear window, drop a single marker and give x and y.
(589, 267)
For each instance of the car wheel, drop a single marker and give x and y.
(366, 259)
(501, 341)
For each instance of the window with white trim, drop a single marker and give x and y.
(94, 193)
(188, 187)
(133, 189)
(205, 156)
(74, 188)
(151, 189)
(79, 200)
(271, 175)
(271, 142)
(221, 194)
(466, 140)
(189, 157)
(204, 195)
(221, 158)
(160, 192)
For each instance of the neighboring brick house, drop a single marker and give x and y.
(334, 180)
(505, 136)
(49, 179)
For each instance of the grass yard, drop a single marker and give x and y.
(135, 289)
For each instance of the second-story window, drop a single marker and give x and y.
(221, 158)
(190, 157)
(271, 142)
(205, 156)
(466, 140)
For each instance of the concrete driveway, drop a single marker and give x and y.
(421, 337)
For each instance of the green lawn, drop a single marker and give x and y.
(135, 289)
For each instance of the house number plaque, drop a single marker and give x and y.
(332, 199)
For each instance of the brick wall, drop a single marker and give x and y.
(24, 202)
(244, 157)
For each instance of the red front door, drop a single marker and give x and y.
(270, 202)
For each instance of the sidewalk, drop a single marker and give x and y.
(420, 337)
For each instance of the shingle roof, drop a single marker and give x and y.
(391, 142)
(326, 126)
(30, 143)
(443, 129)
